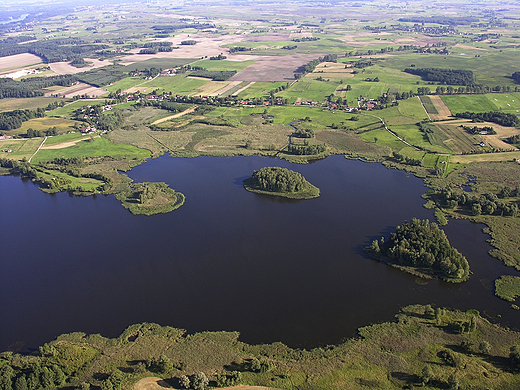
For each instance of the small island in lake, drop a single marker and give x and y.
(422, 249)
(150, 198)
(281, 182)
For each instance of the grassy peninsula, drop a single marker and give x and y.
(421, 248)
(432, 347)
(281, 182)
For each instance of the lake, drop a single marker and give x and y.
(271, 268)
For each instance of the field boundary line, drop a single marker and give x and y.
(39, 147)
(178, 115)
(390, 131)
(426, 111)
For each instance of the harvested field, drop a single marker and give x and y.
(244, 88)
(459, 140)
(442, 109)
(504, 156)
(77, 90)
(467, 47)
(496, 143)
(223, 90)
(274, 68)
(333, 70)
(66, 68)
(206, 46)
(19, 60)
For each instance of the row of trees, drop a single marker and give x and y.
(422, 244)
(311, 65)
(500, 118)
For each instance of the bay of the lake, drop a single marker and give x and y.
(272, 269)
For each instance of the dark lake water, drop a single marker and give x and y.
(273, 269)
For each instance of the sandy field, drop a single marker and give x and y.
(65, 144)
(273, 68)
(268, 38)
(78, 90)
(222, 91)
(66, 68)
(244, 88)
(206, 46)
(19, 60)
(152, 383)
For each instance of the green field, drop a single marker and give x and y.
(20, 149)
(309, 89)
(261, 89)
(69, 108)
(97, 147)
(504, 64)
(180, 84)
(125, 84)
(223, 64)
(505, 102)
(27, 103)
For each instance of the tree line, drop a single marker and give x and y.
(500, 118)
(422, 244)
(32, 87)
(11, 120)
(311, 65)
(445, 76)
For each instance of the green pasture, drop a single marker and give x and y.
(384, 138)
(504, 64)
(86, 183)
(59, 139)
(506, 102)
(125, 84)
(68, 109)
(181, 84)
(96, 147)
(261, 89)
(309, 89)
(223, 64)
(62, 125)
(26, 103)
(19, 148)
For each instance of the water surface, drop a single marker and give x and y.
(271, 268)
